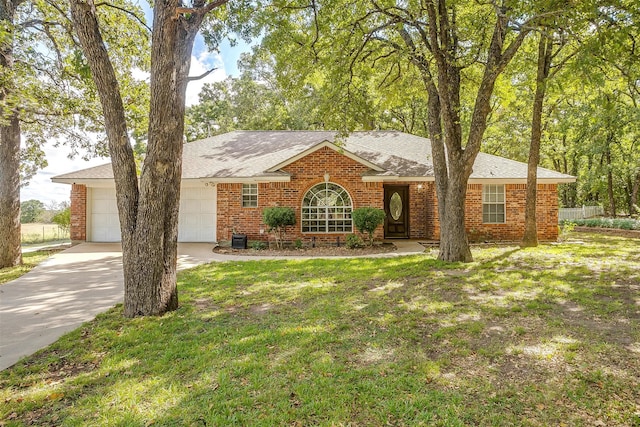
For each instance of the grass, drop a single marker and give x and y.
(32, 233)
(29, 261)
(534, 337)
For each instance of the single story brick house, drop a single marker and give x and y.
(228, 179)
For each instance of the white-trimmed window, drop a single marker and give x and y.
(493, 205)
(249, 195)
(326, 208)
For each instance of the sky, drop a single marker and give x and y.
(40, 186)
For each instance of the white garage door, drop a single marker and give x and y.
(197, 221)
(105, 225)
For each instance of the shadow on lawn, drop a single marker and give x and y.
(400, 341)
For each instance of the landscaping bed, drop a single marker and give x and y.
(634, 234)
(319, 251)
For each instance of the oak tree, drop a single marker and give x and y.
(457, 48)
(148, 205)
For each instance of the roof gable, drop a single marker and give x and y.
(320, 146)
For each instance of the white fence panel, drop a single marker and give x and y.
(580, 213)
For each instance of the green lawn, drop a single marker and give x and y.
(29, 261)
(537, 337)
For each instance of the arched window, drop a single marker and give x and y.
(326, 208)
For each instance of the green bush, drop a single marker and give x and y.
(298, 244)
(367, 220)
(63, 219)
(566, 228)
(278, 219)
(354, 241)
(258, 245)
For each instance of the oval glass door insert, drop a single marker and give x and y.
(395, 206)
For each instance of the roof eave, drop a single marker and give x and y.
(245, 179)
(396, 178)
(89, 182)
(498, 180)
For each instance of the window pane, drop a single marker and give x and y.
(330, 206)
(249, 195)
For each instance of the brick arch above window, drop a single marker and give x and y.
(326, 208)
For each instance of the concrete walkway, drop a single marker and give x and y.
(75, 285)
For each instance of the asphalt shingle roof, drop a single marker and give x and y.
(250, 154)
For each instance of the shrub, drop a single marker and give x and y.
(566, 228)
(354, 241)
(298, 244)
(258, 245)
(619, 223)
(278, 219)
(367, 220)
(63, 219)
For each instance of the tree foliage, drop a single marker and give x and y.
(31, 211)
(63, 219)
(47, 94)
(453, 51)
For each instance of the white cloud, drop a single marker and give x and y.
(40, 186)
(199, 65)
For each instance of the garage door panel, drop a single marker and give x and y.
(105, 225)
(190, 206)
(197, 220)
(197, 215)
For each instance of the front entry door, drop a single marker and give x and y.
(396, 206)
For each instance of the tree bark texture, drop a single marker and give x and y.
(148, 213)
(610, 193)
(635, 191)
(545, 46)
(10, 249)
(453, 161)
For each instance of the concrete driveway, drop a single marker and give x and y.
(66, 290)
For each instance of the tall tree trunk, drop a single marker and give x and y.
(634, 194)
(10, 250)
(545, 45)
(612, 201)
(148, 214)
(452, 175)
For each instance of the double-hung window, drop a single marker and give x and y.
(493, 204)
(249, 195)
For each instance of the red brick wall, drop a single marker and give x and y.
(78, 229)
(305, 173)
(424, 223)
(513, 228)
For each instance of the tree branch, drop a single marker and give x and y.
(122, 9)
(203, 10)
(201, 76)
